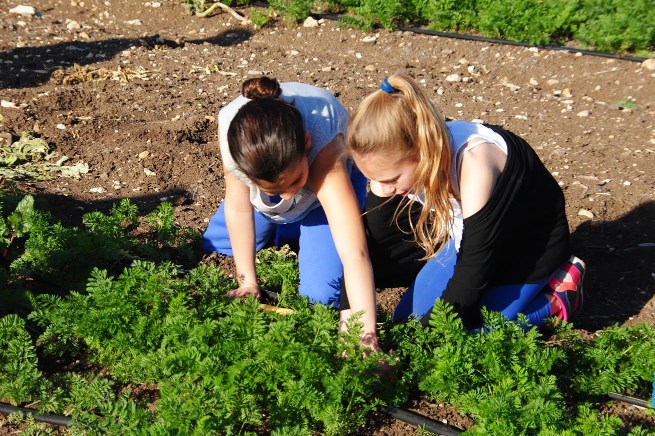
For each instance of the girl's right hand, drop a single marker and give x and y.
(245, 292)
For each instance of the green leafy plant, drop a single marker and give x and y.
(258, 18)
(294, 11)
(146, 347)
(626, 103)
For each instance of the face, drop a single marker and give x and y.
(394, 177)
(289, 182)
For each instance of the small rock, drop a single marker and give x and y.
(294, 52)
(566, 92)
(512, 86)
(144, 154)
(586, 213)
(370, 67)
(627, 183)
(73, 25)
(370, 39)
(453, 78)
(552, 82)
(533, 81)
(136, 22)
(583, 114)
(648, 64)
(8, 104)
(24, 10)
(98, 190)
(149, 172)
(310, 22)
(61, 126)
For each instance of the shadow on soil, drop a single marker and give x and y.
(620, 262)
(26, 67)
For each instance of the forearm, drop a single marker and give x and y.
(241, 228)
(360, 289)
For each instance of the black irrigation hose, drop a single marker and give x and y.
(402, 415)
(630, 400)
(420, 421)
(521, 44)
(478, 38)
(7, 409)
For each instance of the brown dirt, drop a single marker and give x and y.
(138, 104)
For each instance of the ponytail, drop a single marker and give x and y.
(400, 122)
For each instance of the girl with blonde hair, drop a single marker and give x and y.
(487, 215)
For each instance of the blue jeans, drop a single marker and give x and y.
(321, 270)
(510, 300)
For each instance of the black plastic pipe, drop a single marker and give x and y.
(402, 415)
(630, 400)
(420, 421)
(7, 409)
(478, 38)
(521, 44)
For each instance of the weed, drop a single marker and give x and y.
(626, 103)
(259, 19)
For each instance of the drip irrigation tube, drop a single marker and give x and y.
(420, 421)
(7, 409)
(630, 400)
(521, 44)
(402, 415)
(502, 41)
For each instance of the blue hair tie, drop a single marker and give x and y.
(386, 87)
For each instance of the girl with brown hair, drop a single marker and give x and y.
(287, 182)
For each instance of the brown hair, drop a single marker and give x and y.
(405, 124)
(267, 134)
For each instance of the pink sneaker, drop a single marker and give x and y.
(567, 287)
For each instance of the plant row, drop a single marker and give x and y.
(101, 323)
(616, 26)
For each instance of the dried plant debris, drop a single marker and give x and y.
(31, 157)
(79, 74)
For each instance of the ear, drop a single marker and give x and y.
(308, 141)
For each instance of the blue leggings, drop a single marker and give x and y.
(510, 300)
(321, 270)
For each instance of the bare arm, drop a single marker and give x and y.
(241, 228)
(481, 168)
(331, 182)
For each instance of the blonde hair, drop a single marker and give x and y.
(405, 124)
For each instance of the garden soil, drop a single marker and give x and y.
(132, 89)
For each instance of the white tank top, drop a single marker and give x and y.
(464, 136)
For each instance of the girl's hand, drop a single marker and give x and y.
(245, 291)
(370, 341)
